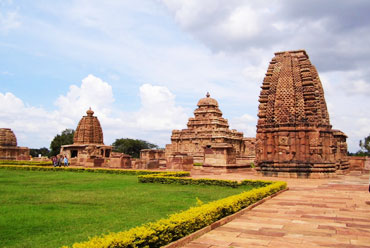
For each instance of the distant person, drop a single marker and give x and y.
(61, 161)
(58, 160)
(54, 159)
(65, 161)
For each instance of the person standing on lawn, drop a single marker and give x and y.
(65, 161)
(61, 160)
(54, 159)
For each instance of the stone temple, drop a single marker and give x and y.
(8, 147)
(294, 135)
(209, 141)
(88, 148)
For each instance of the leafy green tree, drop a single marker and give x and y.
(65, 138)
(43, 151)
(132, 147)
(364, 147)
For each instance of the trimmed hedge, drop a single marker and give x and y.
(95, 170)
(25, 162)
(168, 179)
(176, 226)
(164, 179)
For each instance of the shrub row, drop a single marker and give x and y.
(164, 179)
(176, 226)
(96, 170)
(25, 162)
(168, 179)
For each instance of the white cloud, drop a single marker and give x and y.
(358, 87)
(213, 45)
(32, 125)
(93, 92)
(242, 23)
(9, 20)
(158, 110)
(246, 124)
(36, 127)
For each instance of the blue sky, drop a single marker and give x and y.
(143, 65)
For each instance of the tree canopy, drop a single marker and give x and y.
(65, 138)
(34, 152)
(364, 148)
(132, 147)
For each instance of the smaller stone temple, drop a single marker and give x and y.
(150, 159)
(8, 146)
(340, 151)
(209, 142)
(88, 148)
(294, 135)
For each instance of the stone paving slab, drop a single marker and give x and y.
(313, 213)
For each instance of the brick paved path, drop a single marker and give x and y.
(312, 213)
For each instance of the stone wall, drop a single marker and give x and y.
(359, 163)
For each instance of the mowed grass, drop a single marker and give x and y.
(51, 209)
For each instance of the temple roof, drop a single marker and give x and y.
(292, 93)
(88, 130)
(207, 101)
(7, 137)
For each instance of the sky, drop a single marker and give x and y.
(143, 65)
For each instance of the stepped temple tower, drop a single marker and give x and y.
(209, 141)
(294, 135)
(88, 148)
(8, 147)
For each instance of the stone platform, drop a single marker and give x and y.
(328, 212)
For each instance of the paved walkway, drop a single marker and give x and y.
(312, 213)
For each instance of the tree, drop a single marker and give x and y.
(132, 147)
(65, 138)
(364, 147)
(43, 151)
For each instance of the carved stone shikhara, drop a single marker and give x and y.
(88, 148)
(8, 146)
(88, 130)
(209, 141)
(294, 135)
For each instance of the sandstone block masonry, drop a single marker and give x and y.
(88, 148)
(209, 141)
(294, 135)
(8, 146)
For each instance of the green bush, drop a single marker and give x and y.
(198, 164)
(170, 179)
(94, 170)
(25, 162)
(164, 179)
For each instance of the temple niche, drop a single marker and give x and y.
(209, 141)
(88, 148)
(8, 146)
(294, 135)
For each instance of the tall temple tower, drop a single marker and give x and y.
(88, 148)
(294, 135)
(208, 139)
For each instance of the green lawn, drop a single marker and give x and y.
(51, 209)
